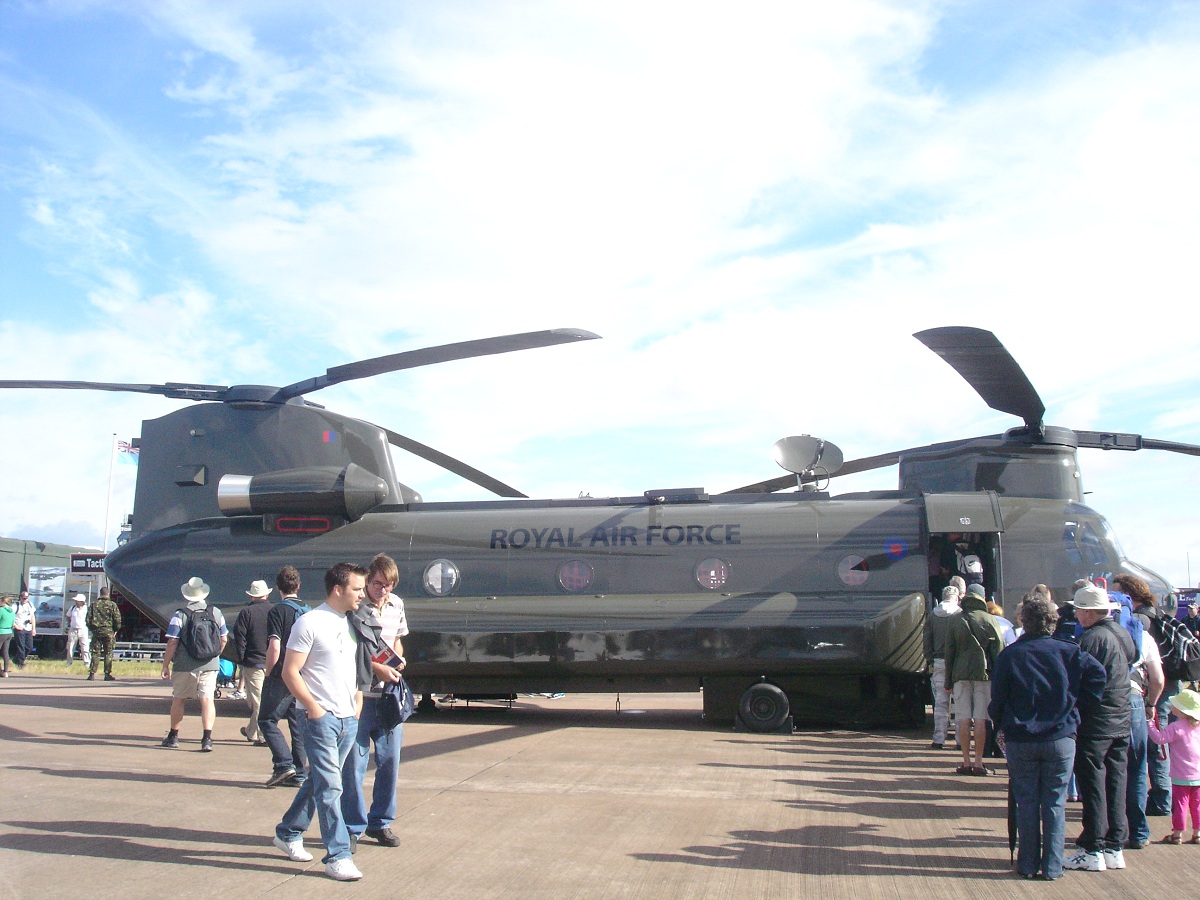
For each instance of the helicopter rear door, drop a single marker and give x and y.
(971, 522)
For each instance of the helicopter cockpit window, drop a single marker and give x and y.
(1071, 542)
(1083, 545)
(1093, 547)
(441, 577)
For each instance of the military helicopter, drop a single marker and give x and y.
(783, 607)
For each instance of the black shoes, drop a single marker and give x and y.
(171, 741)
(109, 678)
(280, 776)
(383, 836)
(206, 745)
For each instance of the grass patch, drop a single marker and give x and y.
(144, 668)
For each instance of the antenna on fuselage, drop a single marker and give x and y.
(808, 458)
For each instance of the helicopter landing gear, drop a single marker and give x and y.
(765, 708)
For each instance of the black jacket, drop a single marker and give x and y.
(1113, 648)
(250, 635)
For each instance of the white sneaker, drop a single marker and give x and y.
(342, 870)
(294, 849)
(1114, 859)
(1083, 861)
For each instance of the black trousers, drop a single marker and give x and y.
(1101, 767)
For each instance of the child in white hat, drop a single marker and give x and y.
(1184, 737)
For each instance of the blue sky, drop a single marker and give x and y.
(755, 208)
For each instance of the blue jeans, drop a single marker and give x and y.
(1135, 784)
(1038, 773)
(387, 762)
(276, 703)
(328, 741)
(1159, 801)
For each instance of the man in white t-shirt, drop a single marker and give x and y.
(321, 673)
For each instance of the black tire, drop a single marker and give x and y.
(764, 707)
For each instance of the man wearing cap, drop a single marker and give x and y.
(937, 624)
(1192, 619)
(973, 642)
(192, 678)
(77, 632)
(250, 643)
(1102, 745)
(103, 622)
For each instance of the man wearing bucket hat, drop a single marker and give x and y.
(1102, 745)
(250, 645)
(192, 678)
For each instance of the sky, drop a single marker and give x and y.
(755, 205)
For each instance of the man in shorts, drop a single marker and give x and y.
(973, 642)
(192, 678)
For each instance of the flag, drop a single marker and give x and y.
(127, 453)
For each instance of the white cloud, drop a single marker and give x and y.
(755, 210)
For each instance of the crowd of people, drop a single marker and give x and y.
(1081, 705)
(333, 672)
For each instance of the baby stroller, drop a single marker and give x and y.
(225, 676)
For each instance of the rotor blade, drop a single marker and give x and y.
(411, 359)
(458, 467)
(1104, 440)
(988, 367)
(170, 389)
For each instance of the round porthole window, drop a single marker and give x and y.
(441, 577)
(575, 575)
(712, 573)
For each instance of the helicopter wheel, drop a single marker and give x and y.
(764, 707)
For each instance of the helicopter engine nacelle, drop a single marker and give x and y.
(350, 491)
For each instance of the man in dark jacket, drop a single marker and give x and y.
(1102, 748)
(250, 643)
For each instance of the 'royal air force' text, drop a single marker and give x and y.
(615, 536)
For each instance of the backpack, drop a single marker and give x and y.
(1179, 648)
(200, 635)
(300, 608)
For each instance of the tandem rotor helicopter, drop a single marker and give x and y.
(775, 604)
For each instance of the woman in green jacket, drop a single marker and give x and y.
(6, 631)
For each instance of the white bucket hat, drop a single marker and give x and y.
(195, 589)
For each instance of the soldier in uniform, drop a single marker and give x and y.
(103, 621)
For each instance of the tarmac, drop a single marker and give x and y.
(586, 796)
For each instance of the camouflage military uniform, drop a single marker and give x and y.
(104, 621)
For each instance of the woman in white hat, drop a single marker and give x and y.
(1184, 737)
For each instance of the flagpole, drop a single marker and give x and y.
(112, 460)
